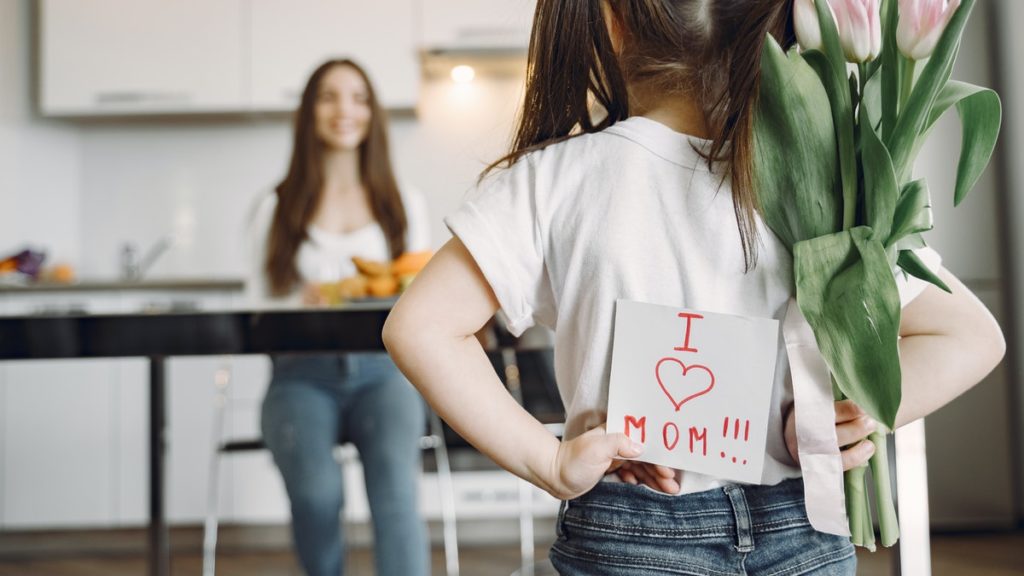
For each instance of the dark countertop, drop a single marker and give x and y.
(114, 285)
(354, 327)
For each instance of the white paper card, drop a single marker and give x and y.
(693, 387)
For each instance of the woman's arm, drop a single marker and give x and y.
(431, 337)
(950, 342)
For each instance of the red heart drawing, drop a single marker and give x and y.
(687, 383)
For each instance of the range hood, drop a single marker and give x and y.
(478, 29)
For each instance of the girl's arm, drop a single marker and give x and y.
(950, 342)
(430, 334)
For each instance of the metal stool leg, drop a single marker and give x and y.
(526, 545)
(444, 484)
(221, 380)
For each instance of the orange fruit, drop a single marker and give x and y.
(411, 263)
(382, 286)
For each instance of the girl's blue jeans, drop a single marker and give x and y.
(311, 404)
(618, 529)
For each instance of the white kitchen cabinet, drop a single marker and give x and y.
(59, 444)
(131, 464)
(476, 25)
(74, 433)
(290, 38)
(110, 57)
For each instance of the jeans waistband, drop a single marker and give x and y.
(740, 511)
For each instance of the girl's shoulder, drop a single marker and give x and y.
(556, 165)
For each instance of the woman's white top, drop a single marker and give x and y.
(327, 256)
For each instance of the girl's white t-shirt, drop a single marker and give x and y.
(631, 212)
(326, 256)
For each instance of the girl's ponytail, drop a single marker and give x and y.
(706, 50)
(571, 59)
(741, 28)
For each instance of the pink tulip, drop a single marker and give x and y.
(805, 20)
(860, 28)
(859, 23)
(922, 23)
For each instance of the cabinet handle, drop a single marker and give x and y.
(124, 97)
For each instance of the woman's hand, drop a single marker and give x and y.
(853, 425)
(580, 463)
(312, 295)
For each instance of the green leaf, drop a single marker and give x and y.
(913, 241)
(913, 120)
(890, 77)
(881, 191)
(833, 48)
(795, 159)
(841, 106)
(872, 98)
(913, 212)
(831, 68)
(981, 113)
(913, 265)
(847, 292)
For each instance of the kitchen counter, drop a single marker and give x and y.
(115, 285)
(354, 327)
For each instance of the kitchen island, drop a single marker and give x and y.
(160, 335)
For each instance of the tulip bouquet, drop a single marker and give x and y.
(839, 123)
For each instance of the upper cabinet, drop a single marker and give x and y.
(476, 26)
(110, 57)
(288, 39)
(123, 57)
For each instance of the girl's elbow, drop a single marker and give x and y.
(990, 343)
(998, 344)
(392, 333)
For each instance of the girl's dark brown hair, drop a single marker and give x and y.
(706, 50)
(299, 193)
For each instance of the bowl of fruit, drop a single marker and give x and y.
(374, 280)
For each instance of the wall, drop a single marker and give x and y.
(40, 161)
(199, 179)
(1010, 14)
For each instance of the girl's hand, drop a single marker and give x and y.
(581, 462)
(654, 476)
(852, 427)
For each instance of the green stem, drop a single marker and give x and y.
(862, 78)
(856, 505)
(907, 87)
(868, 526)
(888, 523)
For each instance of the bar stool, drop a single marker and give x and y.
(432, 440)
(510, 347)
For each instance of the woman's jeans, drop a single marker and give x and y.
(618, 529)
(312, 403)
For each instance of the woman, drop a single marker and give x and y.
(339, 200)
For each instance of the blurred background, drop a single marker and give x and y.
(135, 138)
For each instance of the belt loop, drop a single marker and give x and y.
(562, 507)
(744, 527)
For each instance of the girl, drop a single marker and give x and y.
(654, 203)
(340, 200)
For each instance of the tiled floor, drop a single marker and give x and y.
(263, 552)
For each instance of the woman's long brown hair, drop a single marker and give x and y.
(299, 193)
(707, 50)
